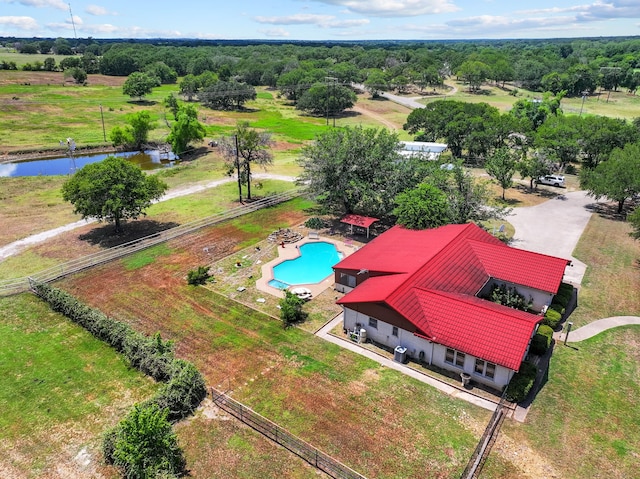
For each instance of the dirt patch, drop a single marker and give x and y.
(55, 78)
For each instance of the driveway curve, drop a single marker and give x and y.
(554, 228)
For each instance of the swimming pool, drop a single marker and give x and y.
(312, 266)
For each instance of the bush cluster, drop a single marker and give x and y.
(315, 223)
(198, 276)
(521, 382)
(541, 340)
(509, 296)
(184, 387)
(552, 318)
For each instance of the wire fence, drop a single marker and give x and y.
(19, 285)
(480, 454)
(306, 451)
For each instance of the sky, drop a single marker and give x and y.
(337, 20)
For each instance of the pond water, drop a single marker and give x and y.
(148, 160)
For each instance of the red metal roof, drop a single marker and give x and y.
(432, 277)
(487, 330)
(358, 220)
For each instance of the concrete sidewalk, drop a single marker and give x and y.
(596, 327)
(446, 388)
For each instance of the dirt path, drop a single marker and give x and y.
(364, 111)
(16, 247)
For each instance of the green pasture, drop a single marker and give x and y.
(179, 210)
(433, 432)
(618, 104)
(60, 388)
(21, 59)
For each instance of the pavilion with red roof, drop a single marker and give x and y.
(358, 220)
(423, 290)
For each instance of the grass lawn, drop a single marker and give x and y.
(586, 420)
(611, 283)
(374, 419)
(96, 236)
(618, 104)
(60, 389)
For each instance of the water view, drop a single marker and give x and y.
(148, 160)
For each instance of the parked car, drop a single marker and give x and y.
(553, 180)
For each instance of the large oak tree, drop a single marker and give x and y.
(112, 190)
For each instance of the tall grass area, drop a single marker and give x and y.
(60, 388)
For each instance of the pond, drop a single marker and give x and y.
(147, 160)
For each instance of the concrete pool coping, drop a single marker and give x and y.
(292, 251)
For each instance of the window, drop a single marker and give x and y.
(454, 357)
(394, 331)
(485, 368)
(373, 323)
(348, 279)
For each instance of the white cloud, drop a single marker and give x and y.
(324, 21)
(297, 19)
(395, 8)
(21, 23)
(59, 4)
(594, 11)
(98, 11)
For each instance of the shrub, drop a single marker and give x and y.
(291, 310)
(561, 300)
(558, 307)
(144, 445)
(183, 393)
(198, 276)
(546, 331)
(509, 296)
(521, 382)
(552, 318)
(539, 344)
(315, 223)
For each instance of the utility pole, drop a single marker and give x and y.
(584, 96)
(238, 168)
(327, 80)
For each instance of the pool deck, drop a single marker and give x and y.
(291, 251)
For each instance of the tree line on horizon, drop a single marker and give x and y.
(577, 66)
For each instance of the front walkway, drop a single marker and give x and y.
(592, 329)
(456, 392)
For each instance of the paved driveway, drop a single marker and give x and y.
(554, 228)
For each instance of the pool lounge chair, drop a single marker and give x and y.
(313, 235)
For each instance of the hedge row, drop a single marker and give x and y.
(184, 387)
(521, 382)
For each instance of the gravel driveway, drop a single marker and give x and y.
(554, 228)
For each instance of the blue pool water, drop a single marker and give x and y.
(312, 266)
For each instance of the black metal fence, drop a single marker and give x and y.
(306, 451)
(19, 285)
(480, 454)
